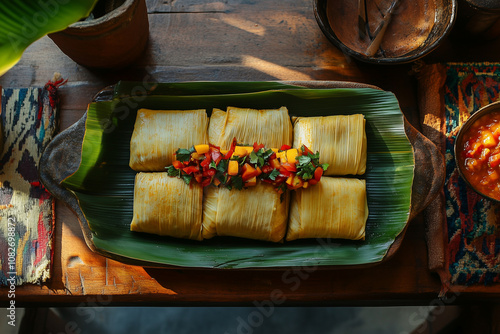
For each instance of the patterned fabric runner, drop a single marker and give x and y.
(28, 119)
(472, 221)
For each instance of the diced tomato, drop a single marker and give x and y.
(280, 179)
(209, 173)
(198, 177)
(206, 162)
(272, 156)
(494, 160)
(285, 147)
(206, 181)
(284, 171)
(267, 169)
(312, 182)
(257, 147)
(216, 156)
(190, 169)
(177, 164)
(318, 173)
(289, 166)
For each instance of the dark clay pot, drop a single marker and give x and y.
(111, 41)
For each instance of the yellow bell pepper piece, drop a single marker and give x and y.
(232, 168)
(281, 156)
(242, 151)
(291, 154)
(202, 148)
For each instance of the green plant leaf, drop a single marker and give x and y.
(24, 21)
(104, 183)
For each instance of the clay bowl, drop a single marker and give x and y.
(459, 146)
(415, 29)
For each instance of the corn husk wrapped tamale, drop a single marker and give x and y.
(159, 133)
(271, 127)
(166, 205)
(340, 140)
(253, 213)
(333, 208)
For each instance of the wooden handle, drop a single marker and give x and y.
(429, 173)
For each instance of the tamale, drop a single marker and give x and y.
(333, 208)
(254, 213)
(271, 127)
(166, 205)
(340, 140)
(159, 133)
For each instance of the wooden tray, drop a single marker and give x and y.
(63, 155)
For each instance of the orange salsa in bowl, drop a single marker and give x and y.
(479, 156)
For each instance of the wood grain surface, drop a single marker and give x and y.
(224, 41)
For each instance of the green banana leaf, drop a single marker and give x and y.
(24, 21)
(104, 182)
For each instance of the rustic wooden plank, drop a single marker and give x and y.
(236, 40)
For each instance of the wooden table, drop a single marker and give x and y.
(227, 41)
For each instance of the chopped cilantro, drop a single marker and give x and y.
(303, 160)
(222, 167)
(212, 165)
(259, 158)
(221, 177)
(173, 172)
(237, 182)
(266, 154)
(187, 178)
(184, 155)
(254, 158)
(274, 174)
(307, 165)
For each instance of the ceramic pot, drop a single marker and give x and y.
(111, 41)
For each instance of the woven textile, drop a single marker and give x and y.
(28, 118)
(472, 221)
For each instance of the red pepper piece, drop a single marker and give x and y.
(177, 164)
(285, 147)
(289, 166)
(229, 154)
(190, 169)
(257, 147)
(318, 173)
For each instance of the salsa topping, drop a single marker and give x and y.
(481, 154)
(242, 166)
